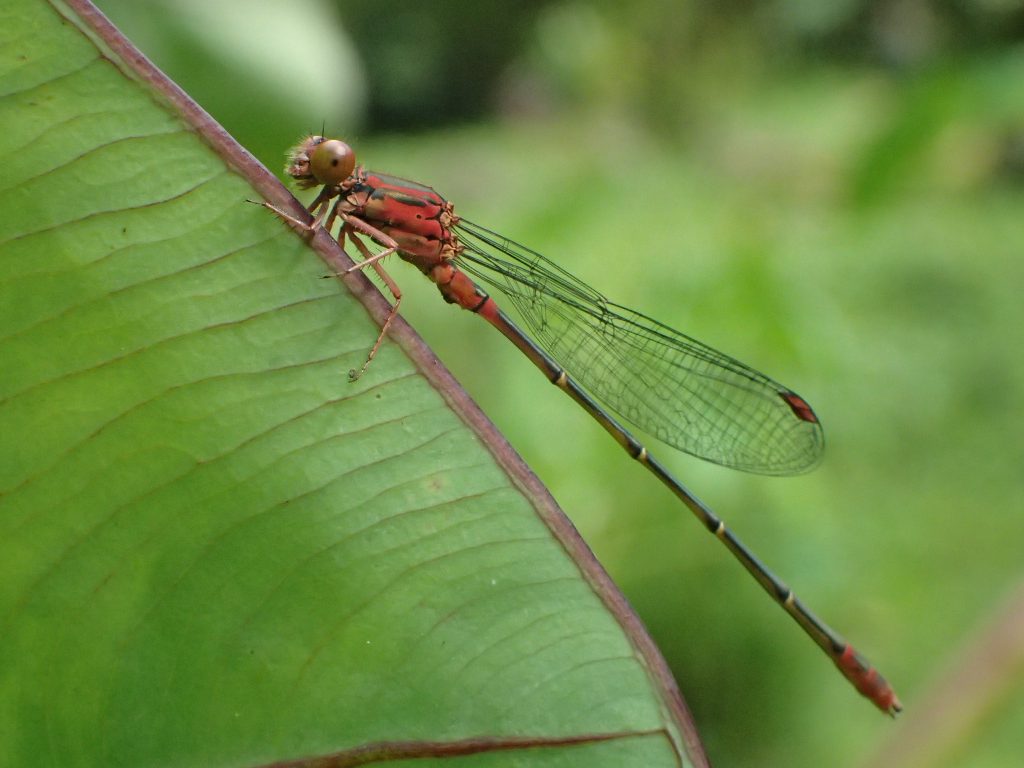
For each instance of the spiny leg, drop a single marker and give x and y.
(358, 225)
(322, 201)
(351, 227)
(372, 260)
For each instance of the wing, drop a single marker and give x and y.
(661, 381)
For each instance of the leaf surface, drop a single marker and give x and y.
(214, 549)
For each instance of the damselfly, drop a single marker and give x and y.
(683, 392)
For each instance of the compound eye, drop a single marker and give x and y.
(332, 161)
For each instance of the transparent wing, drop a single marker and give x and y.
(661, 381)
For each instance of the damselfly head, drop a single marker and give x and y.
(316, 160)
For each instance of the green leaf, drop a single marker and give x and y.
(214, 549)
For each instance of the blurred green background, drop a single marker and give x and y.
(832, 192)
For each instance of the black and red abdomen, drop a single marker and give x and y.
(415, 216)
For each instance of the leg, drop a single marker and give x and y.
(374, 261)
(358, 225)
(353, 226)
(322, 202)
